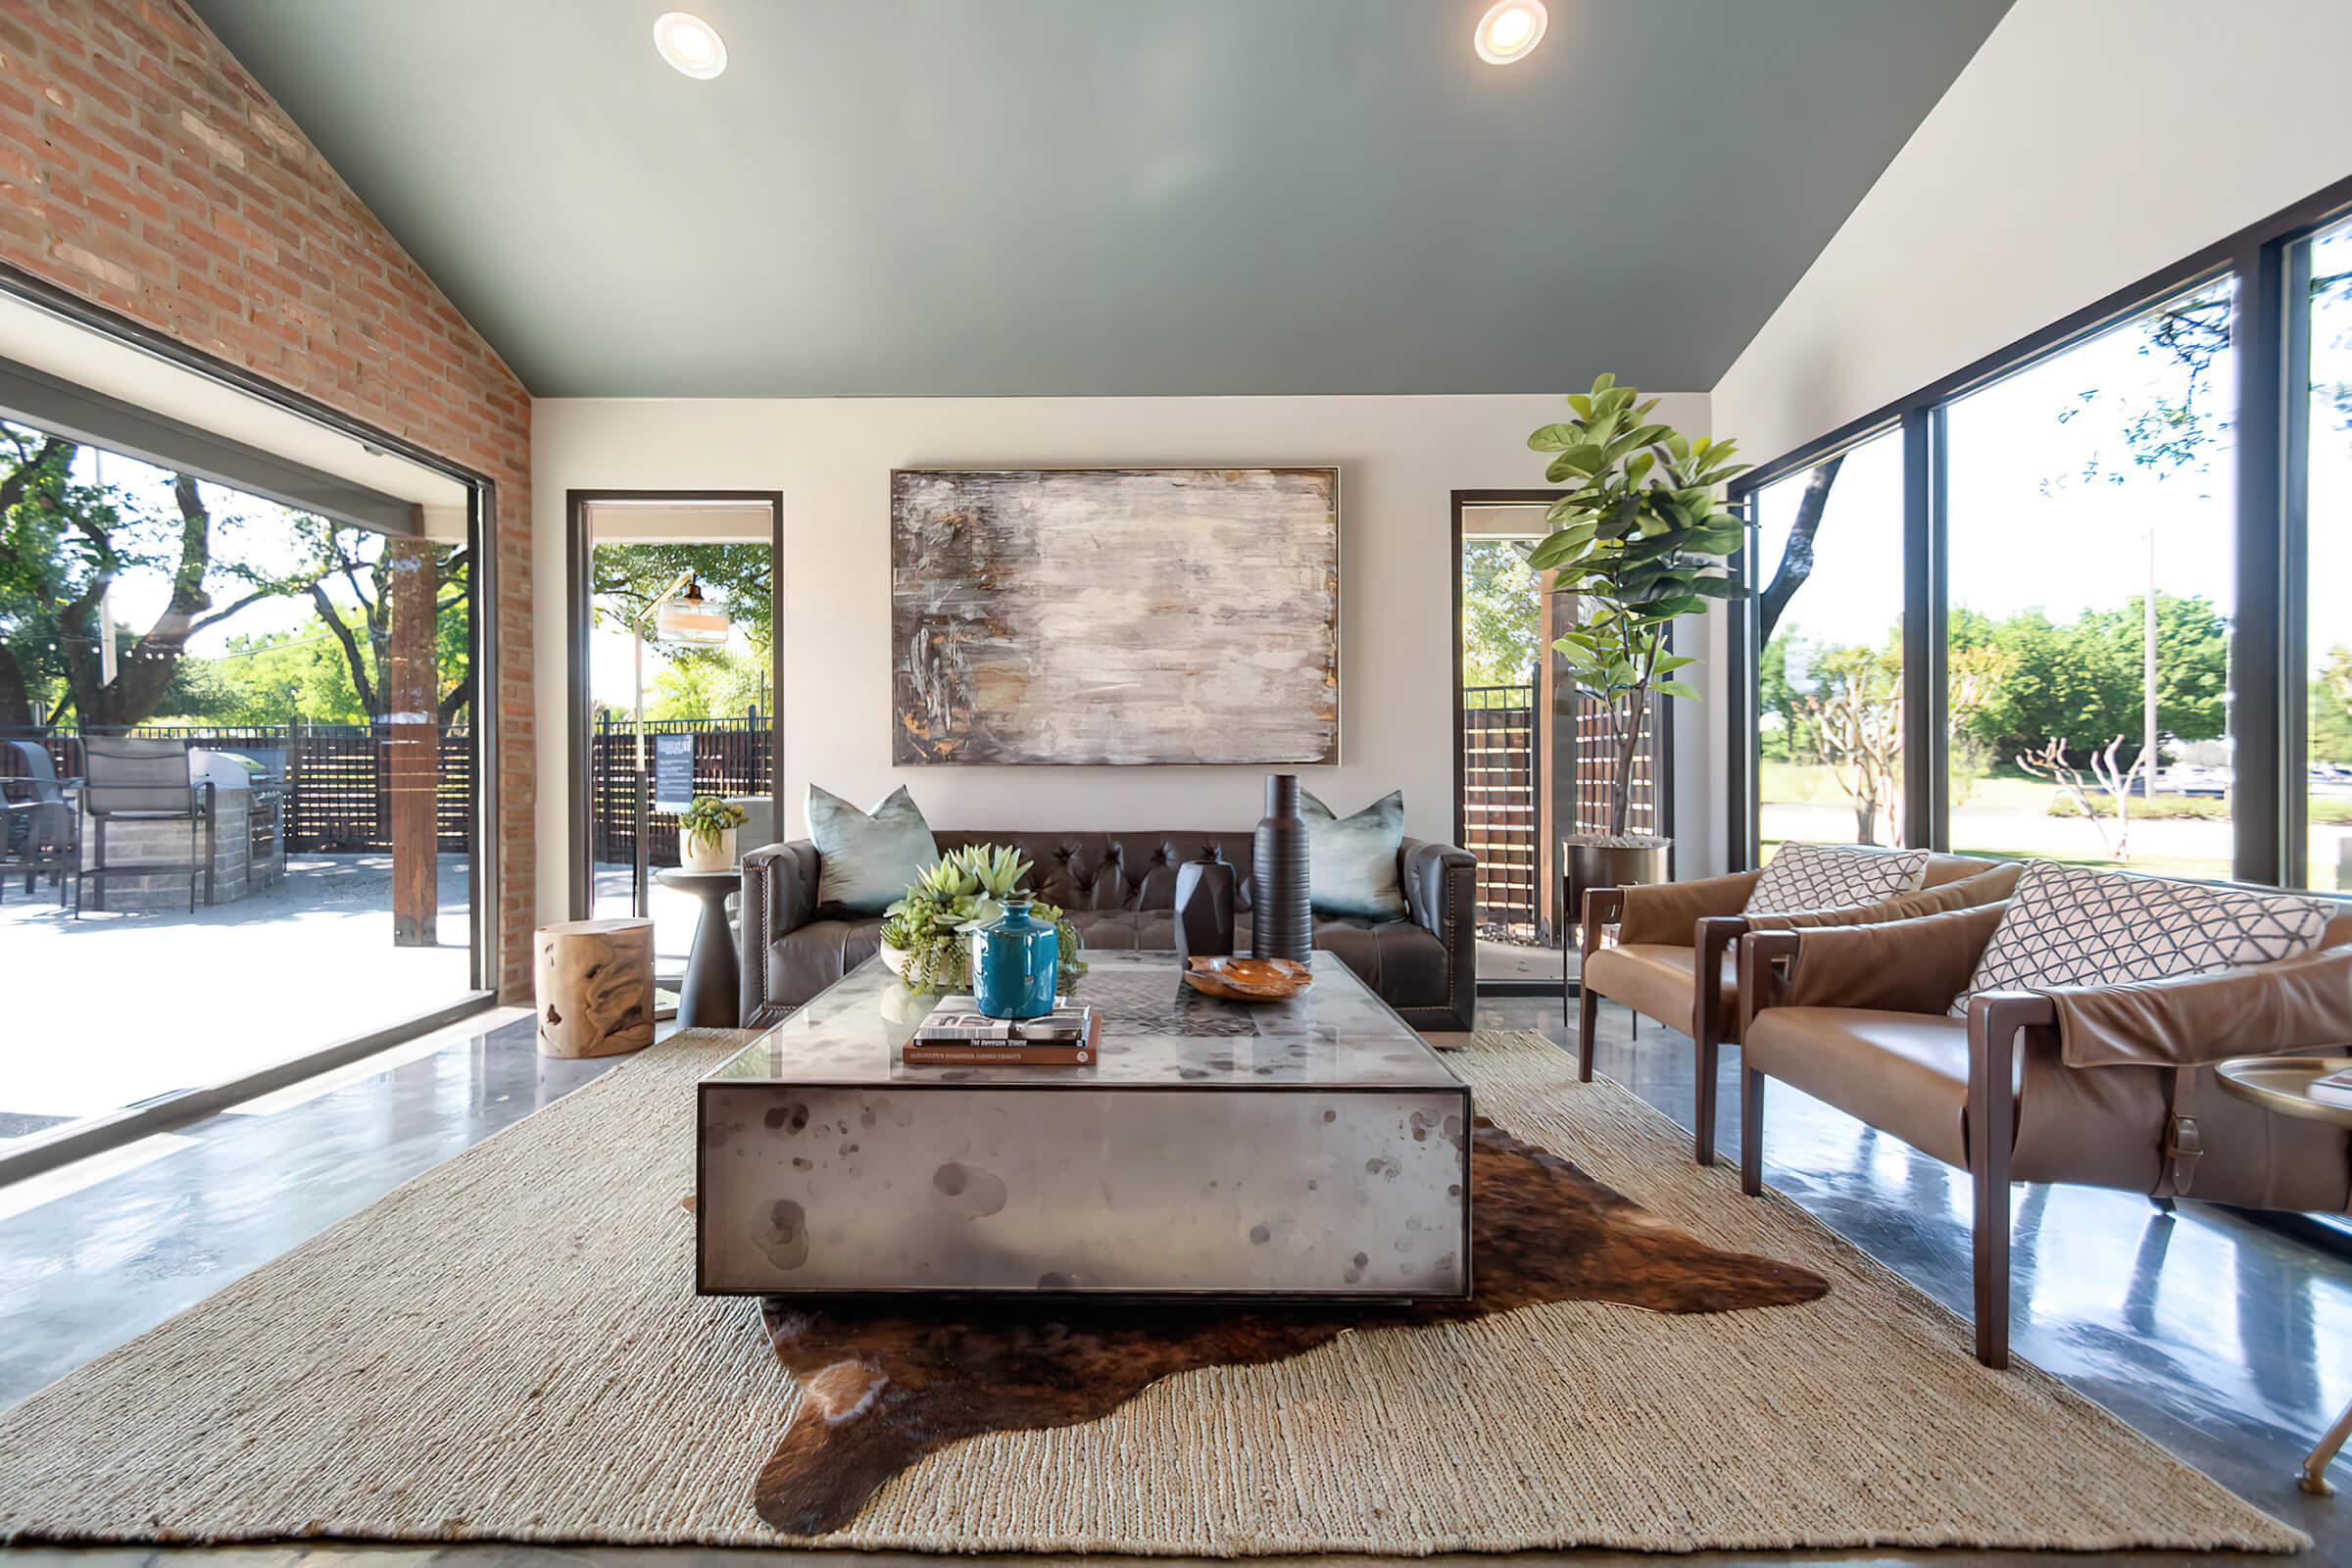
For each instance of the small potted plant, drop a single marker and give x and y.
(927, 937)
(1640, 539)
(706, 833)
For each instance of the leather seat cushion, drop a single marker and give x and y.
(1904, 1073)
(813, 956)
(1656, 980)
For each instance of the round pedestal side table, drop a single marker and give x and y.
(2284, 1084)
(711, 996)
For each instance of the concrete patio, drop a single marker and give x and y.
(115, 1009)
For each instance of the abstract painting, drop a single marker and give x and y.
(1119, 616)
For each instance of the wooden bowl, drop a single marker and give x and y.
(1249, 979)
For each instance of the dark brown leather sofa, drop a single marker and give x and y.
(2100, 1086)
(1666, 951)
(1119, 889)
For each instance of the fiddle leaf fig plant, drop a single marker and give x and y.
(1641, 538)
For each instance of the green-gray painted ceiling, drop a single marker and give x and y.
(1108, 197)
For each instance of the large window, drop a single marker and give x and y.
(2089, 502)
(2323, 268)
(1829, 619)
(237, 753)
(2084, 600)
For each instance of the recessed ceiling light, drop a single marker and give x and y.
(690, 44)
(1509, 30)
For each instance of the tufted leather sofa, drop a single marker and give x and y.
(1119, 889)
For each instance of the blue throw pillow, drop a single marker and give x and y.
(866, 859)
(1352, 860)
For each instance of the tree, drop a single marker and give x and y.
(65, 546)
(2050, 760)
(2082, 682)
(627, 576)
(360, 561)
(2331, 709)
(1856, 719)
(1501, 608)
(1796, 558)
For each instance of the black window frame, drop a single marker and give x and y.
(2267, 654)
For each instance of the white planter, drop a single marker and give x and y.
(701, 855)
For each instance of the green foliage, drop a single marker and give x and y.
(2082, 682)
(2332, 709)
(627, 576)
(1501, 608)
(964, 891)
(709, 683)
(707, 818)
(1642, 538)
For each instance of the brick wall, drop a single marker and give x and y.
(142, 168)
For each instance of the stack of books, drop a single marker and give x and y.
(957, 1033)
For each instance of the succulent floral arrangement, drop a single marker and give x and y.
(964, 892)
(707, 817)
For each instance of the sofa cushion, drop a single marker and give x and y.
(811, 956)
(867, 859)
(1834, 876)
(2069, 926)
(1352, 860)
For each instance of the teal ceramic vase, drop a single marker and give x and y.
(1014, 964)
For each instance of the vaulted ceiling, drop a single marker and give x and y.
(1105, 197)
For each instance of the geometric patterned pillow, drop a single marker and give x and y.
(2067, 926)
(1834, 876)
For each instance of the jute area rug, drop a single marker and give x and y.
(509, 1349)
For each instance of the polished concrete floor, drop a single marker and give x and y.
(2219, 1337)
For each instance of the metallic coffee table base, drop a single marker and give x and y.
(1315, 1147)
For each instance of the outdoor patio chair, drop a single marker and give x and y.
(40, 828)
(131, 780)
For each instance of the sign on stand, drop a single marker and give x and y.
(673, 772)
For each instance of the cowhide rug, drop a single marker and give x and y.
(884, 1385)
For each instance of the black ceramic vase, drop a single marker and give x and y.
(1281, 919)
(1204, 908)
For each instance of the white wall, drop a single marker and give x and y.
(1400, 458)
(2088, 144)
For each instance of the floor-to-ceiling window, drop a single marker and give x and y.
(237, 778)
(2089, 519)
(2119, 548)
(2323, 320)
(1828, 615)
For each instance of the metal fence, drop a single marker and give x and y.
(731, 757)
(337, 777)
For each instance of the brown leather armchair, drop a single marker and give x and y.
(1672, 958)
(2100, 1085)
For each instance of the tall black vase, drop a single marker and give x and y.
(1281, 917)
(1204, 908)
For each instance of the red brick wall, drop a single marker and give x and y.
(142, 168)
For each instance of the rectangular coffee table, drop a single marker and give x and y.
(1310, 1148)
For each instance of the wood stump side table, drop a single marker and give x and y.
(711, 996)
(592, 984)
(2282, 1084)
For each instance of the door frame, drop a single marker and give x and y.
(579, 621)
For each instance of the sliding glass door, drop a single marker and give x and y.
(238, 779)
